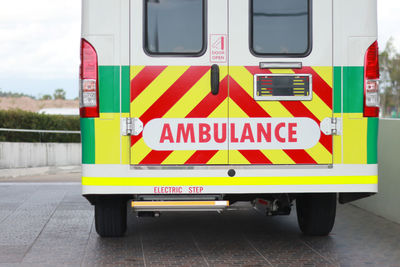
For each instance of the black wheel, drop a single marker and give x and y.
(316, 213)
(110, 217)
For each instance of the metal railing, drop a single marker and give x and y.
(38, 131)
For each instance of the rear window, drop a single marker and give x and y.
(280, 27)
(174, 27)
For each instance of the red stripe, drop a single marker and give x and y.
(166, 102)
(175, 92)
(300, 156)
(319, 86)
(143, 79)
(136, 138)
(256, 70)
(210, 102)
(297, 109)
(203, 110)
(155, 157)
(327, 142)
(255, 156)
(201, 157)
(252, 109)
(245, 101)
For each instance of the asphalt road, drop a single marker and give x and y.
(51, 224)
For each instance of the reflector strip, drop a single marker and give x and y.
(204, 181)
(183, 96)
(136, 204)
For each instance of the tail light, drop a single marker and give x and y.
(371, 81)
(89, 86)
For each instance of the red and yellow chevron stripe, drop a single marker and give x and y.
(184, 92)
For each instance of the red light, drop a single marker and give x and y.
(371, 85)
(372, 62)
(89, 89)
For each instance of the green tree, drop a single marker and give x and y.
(389, 61)
(46, 97)
(59, 94)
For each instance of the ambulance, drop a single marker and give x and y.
(198, 105)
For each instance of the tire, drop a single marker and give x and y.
(316, 213)
(110, 217)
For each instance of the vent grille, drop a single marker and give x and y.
(282, 87)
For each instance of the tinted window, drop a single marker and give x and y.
(174, 26)
(280, 27)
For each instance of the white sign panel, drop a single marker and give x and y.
(239, 133)
(218, 48)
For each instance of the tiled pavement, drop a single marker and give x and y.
(52, 225)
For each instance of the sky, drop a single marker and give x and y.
(39, 43)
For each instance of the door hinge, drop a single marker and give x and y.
(331, 126)
(131, 126)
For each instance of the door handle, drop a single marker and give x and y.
(215, 79)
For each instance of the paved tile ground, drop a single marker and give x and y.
(52, 225)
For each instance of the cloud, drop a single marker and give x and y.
(39, 42)
(39, 39)
(388, 22)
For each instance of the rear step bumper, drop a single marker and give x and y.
(211, 205)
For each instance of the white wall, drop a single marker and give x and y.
(387, 202)
(26, 155)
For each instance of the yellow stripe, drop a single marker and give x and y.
(221, 157)
(194, 96)
(320, 154)
(178, 157)
(173, 203)
(326, 74)
(275, 156)
(221, 181)
(154, 91)
(139, 151)
(355, 141)
(353, 115)
(245, 79)
(235, 157)
(235, 111)
(282, 71)
(125, 147)
(135, 71)
(109, 116)
(107, 140)
(221, 111)
(278, 157)
(275, 109)
(191, 99)
(318, 107)
(337, 149)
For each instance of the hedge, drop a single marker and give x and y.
(19, 119)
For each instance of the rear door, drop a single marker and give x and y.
(173, 45)
(280, 81)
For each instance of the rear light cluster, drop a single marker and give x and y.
(89, 87)
(371, 81)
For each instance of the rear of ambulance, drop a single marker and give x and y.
(198, 105)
